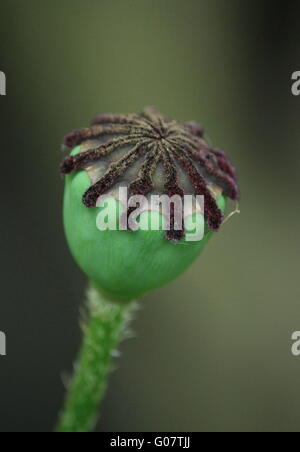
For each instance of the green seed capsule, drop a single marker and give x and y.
(126, 264)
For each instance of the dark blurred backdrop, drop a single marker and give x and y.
(212, 350)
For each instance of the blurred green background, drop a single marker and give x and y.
(212, 350)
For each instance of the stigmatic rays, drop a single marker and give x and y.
(153, 143)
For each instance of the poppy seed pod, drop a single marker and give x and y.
(147, 155)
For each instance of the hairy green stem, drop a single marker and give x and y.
(105, 327)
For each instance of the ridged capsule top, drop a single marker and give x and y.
(158, 154)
